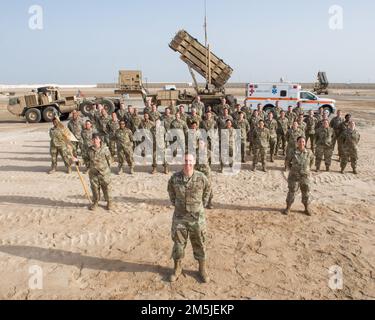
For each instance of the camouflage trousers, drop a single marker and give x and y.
(289, 150)
(259, 154)
(335, 140)
(273, 144)
(63, 152)
(349, 155)
(311, 137)
(182, 230)
(323, 152)
(85, 156)
(206, 170)
(340, 147)
(112, 147)
(77, 148)
(243, 150)
(296, 181)
(281, 142)
(125, 154)
(100, 182)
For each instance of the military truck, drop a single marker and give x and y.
(130, 90)
(42, 105)
(321, 86)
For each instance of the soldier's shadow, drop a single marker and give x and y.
(93, 263)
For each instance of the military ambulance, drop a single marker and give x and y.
(287, 94)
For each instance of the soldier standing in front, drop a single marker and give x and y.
(299, 162)
(189, 192)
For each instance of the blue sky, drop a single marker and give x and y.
(88, 41)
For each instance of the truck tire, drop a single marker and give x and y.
(327, 108)
(108, 105)
(49, 113)
(268, 108)
(33, 115)
(64, 116)
(85, 107)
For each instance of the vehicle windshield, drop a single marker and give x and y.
(308, 96)
(13, 101)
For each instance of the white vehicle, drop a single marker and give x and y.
(287, 94)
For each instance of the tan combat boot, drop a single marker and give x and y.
(287, 210)
(355, 171)
(264, 169)
(203, 271)
(272, 158)
(177, 271)
(327, 168)
(119, 172)
(166, 170)
(109, 206)
(308, 211)
(93, 206)
(154, 171)
(69, 170)
(53, 170)
(131, 170)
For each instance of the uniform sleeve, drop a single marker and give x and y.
(288, 160)
(206, 192)
(171, 191)
(108, 156)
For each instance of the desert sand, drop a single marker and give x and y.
(254, 251)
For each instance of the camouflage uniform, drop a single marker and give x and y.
(299, 163)
(335, 125)
(189, 196)
(219, 109)
(180, 125)
(100, 172)
(75, 127)
(350, 139)
(272, 127)
(310, 131)
(229, 152)
(199, 106)
(135, 122)
(58, 146)
(302, 126)
(324, 139)
(261, 138)
(103, 128)
(121, 114)
(254, 121)
(113, 126)
(276, 112)
(291, 116)
(86, 136)
(282, 130)
(292, 137)
(342, 128)
(244, 126)
(149, 125)
(124, 140)
(154, 116)
(192, 119)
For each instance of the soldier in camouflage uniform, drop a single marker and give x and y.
(320, 123)
(277, 111)
(99, 172)
(193, 117)
(135, 121)
(102, 126)
(147, 124)
(302, 124)
(113, 126)
(121, 112)
(310, 130)
(261, 138)
(254, 122)
(209, 125)
(350, 139)
(183, 115)
(271, 125)
(236, 114)
(189, 192)
(300, 161)
(342, 128)
(86, 136)
(282, 130)
(261, 113)
(230, 150)
(198, 105)
(292, 137)
(291, 116)
(58, 146)
(222, 121)
(125, 144)
(75, 126)
(168, 119)
(298, 109)
(219, 109)
(335, 125)
(154, 113)
(179, 124)
(324, 140)
(243, 125)
(320, 115)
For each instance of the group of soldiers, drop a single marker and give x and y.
(102, 137)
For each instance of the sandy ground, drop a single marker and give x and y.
(254, 251)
